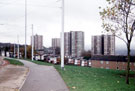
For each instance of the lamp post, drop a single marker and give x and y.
(14, 50)
(62, 37)
(25, 29)
(18, 47)
(32, 50)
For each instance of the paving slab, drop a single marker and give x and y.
(43, 78)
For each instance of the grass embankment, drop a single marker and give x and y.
(40, 63)
(14, 61)
(93, 79)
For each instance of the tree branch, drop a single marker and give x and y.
(132, 31)
(120, 38)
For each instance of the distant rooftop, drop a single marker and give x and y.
(112, 58)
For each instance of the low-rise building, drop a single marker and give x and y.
(112, 62)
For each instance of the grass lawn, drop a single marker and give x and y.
(40, 63)
(14, 61)
(93, 79)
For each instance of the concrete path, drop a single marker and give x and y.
(43, 78)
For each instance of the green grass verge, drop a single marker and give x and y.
(93, 79)
(14, 61)
(40, 63)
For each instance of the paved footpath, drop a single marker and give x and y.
(43, 78)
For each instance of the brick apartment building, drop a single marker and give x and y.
(112, 62)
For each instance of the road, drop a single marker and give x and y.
(43, 78)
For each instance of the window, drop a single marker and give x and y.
(101, 62)
(89, 63)
(101, 67)
(117, 68)
(107, 62)
(107, 67)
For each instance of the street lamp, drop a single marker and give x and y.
(18, 47)
(25, 29)
(62, 37)
(32, 44)
(14, 50)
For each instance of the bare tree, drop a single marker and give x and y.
(119, 19)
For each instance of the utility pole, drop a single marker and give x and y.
(18, 47)
(62, 37)
(25, 29)
(14, 50)
(32, 50)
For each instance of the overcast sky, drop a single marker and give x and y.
(80, 15)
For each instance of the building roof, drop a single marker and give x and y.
(112, 58)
